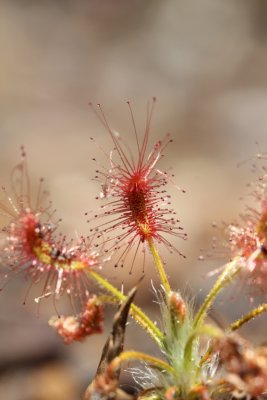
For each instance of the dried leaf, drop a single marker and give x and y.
(105, 385)
(114, 344)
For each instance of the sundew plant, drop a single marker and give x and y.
(136, 215)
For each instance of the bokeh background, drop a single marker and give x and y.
(205, 61)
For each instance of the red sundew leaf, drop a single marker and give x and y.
(247, 240)
(33, 248)
(78, 327)
(138, 211)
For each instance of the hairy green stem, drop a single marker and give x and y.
(208, 330)
(135, 311)
(136, 355)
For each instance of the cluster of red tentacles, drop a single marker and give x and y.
(138, 211)
(32, 247)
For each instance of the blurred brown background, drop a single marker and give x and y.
(205, 60)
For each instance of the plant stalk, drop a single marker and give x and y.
(140, 317)
(160, 267)
(135, 355)
(246, 318)
(230, 271)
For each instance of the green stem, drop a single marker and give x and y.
(252, 314)
(229, 272)
(108, 299)
(135, 311)
(136, 355)
(208, 330)
(160, 267)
